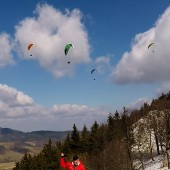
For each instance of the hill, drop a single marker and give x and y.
(131, 139)
(11, 135)
(14, 144)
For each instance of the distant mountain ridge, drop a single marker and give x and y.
(7, 134)
(8, 131)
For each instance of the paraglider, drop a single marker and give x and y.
(150, 46)
(67, 48)
(29, 47)
(92, 71)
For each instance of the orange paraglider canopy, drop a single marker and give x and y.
(29, 46)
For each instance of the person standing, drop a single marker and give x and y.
(75, 164)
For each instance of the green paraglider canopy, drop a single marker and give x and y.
(67, 48)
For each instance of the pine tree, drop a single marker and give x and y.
(25, 164)
(110, 129)
(75, 135)
(94, 144)
(50, 155)
(75, 139)
(85, 137)
(67, 144)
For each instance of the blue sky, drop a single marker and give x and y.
(43, 92)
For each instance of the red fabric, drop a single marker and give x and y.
(70, 166)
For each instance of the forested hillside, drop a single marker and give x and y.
(124, 142)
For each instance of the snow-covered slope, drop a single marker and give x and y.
(144, 141)
(154, 165)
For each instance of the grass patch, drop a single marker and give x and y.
(10, 155)
(7, 166)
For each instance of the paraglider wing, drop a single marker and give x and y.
(67, 47)
(92, 71)
(150, 45)
(29, 46)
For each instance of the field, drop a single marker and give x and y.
(11, 152)
(7, 166)
(14, 144)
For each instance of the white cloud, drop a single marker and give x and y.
(16, 108)
(165, 88)
(13, 97)
(103, 64)
(138, 103)
(6, 46)
(141, 65)
(16, 104)
(70, 110)
(74, 110)
(50, 31)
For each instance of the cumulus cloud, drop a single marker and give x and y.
(138, 103)
(142, 65)
(71, 110)
(16, 104)
(17, 107)
(74, 110)
(103, 64)
(13, 97)
(165, 88)
(6, 47)
(50, 30)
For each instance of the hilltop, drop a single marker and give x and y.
(14, 144)
(11, 135)
(132, 139)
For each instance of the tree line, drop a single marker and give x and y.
(127, 138)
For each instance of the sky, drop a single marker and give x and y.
(39, 90)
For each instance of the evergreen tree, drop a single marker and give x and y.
(94, 144)
(85, 137)
(110, 124)
(75, 139)
(25, 164)
(117, 133)
(49, 153)
(46, 160)
(67, 144)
